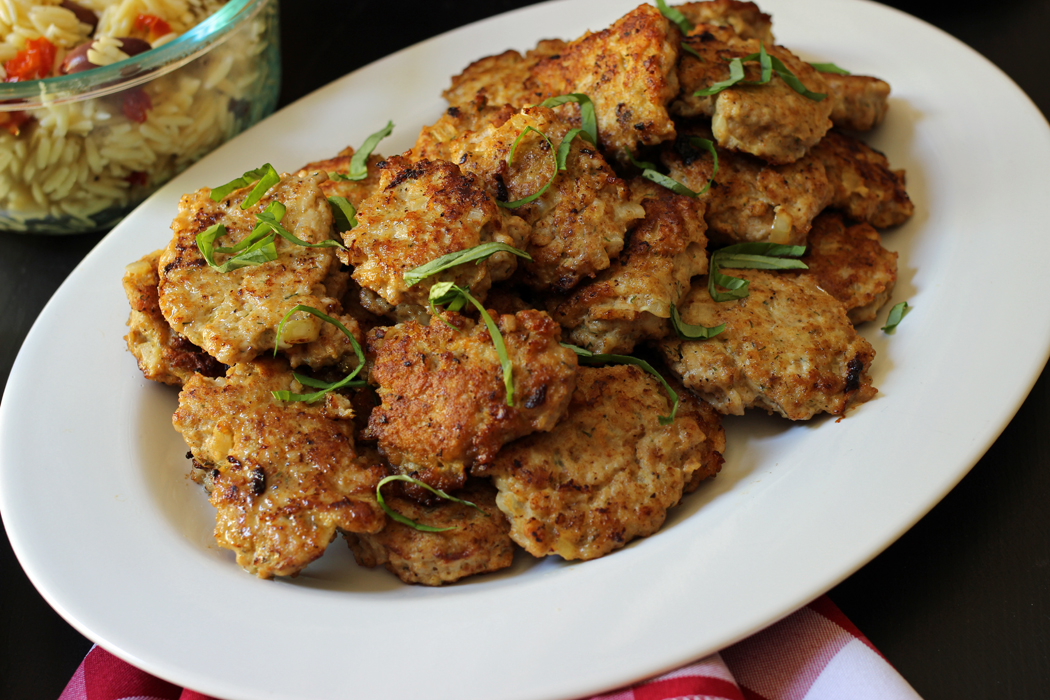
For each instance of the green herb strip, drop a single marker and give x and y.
(256, 249)
(675, 16)
(271, 218)
(447, 293)
(591, 358)
(265, 173)
(478, 253)
(562, 158)
(411, 523)
(687, 331)
(736, 74)
(692, 52)
(324, 386)
(897, 313)
(769, 65)
(510, 156)
(359, 161)
(830, 68)
(343, 212)
(794, 83)
(749, 256)
(649, 173)
(708, 146)
(588, 120)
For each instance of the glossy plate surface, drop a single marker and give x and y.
(95, 497)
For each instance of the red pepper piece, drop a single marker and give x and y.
(136, 104)
(154, 26)
(14, 121)
(33, 62)
(138, 177)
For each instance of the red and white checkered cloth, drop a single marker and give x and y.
(814, 654)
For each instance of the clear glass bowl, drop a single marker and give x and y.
(91, 145)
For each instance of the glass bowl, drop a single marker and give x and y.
(79, 151)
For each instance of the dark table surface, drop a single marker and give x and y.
(960, 604)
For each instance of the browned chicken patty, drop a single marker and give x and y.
(864, 186)
(848, 262)
(444, 404)
(283, 476)
(423, 210)
(710, 453)
(234, 316)
(787, 347)
(750, 199)
(631, 301)
(163, 355)
(502, 78)
(859, 102)
(477, 543)
(578, 222)
(608, 471)
(770, 121)
(744, 18)
(628, 71)
(354, 191)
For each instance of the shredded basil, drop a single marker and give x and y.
(749, 256)
(271, 218)
(687, 331)
(769, 65)
(708, 146)
(324, 386)
(343, 213)
(897, 313)
(447, 293)
(265, 173)
(590, 358)
(675, 16)
(794, 83)
(535, 195)
(411, 523)
(565, 146)
(692, 52)
(359, 161)
(736, 74)
(256, 249)
(588, 120)
(478, 253)
(650, 173)
(830, 68)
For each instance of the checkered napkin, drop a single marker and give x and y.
(814, 654)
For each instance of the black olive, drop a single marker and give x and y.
(84, 15)
(77, 60)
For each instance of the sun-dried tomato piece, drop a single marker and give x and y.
(136, 104)
(14, 121)
(138, 177)
(33, 62)
(153, 25)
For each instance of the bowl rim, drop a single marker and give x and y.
(133, 71)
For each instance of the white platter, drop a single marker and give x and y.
(99, 510)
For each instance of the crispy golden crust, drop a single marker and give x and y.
(628, 71)
(849, 263)
(709, 454)
(859, 102)
(606, 474)
(444, 403)
(770, 121)
(631, 301)
(355, 192)
(744, 18)
(752, 200)
(423, 210)
(787, 347)
(863, 185)
(283, 476)
(163, 355)
(578, 223)
(234, 316)
(478, 544)
(502, 78)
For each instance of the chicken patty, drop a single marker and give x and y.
(787, 347)
(859, 102)
(631, 301)
(608, 471)
(444, 404)
(163, 355)
(848, 262)
(502, 78)
(423, 210)
(234, 315)
(744, 18)
(478, 543)
(283, 476)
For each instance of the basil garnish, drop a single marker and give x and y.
(675, 16)
(749, 256)
(254, 249)
(307, 381)
(830, 68)
(769, 65)
(343, 213)
(535, 195)
(588, 121)
(448, 294)
(359, 161)
(687, 331)
(478, 253)
(407, 521)
(897, 313)
(585, 356)
(266, 176)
